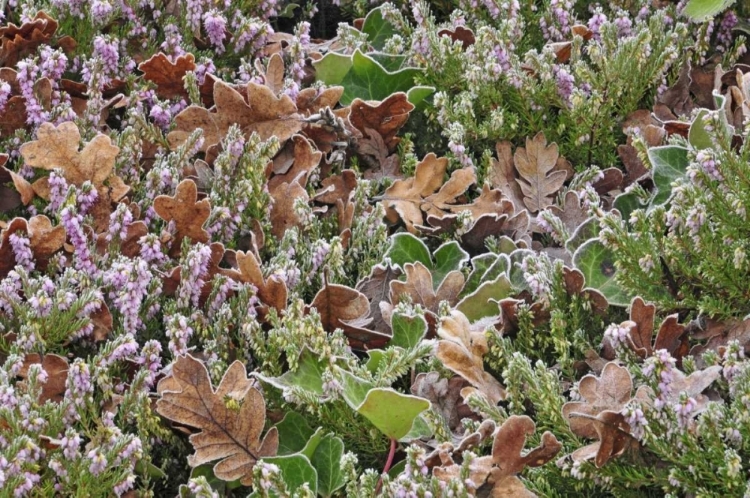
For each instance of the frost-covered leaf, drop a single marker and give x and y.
(230, 418)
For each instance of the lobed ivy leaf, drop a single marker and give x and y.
(669, 163)
(597, 263)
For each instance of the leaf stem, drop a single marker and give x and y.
(387, 467)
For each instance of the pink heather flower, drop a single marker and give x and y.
(73, 224)
(709, 165)
(98, 461)
(125, 485)
(724, 34)
(129, 280)
(618, 334)
(172, 45)
(22, 251)
(119, 222)
(595, 24)
(161, 114)
(79, 382)
(87, 196)
(151, 250)
(684, 409)
(27, 74)
(4, 94)
(108, 50)
(179, 333)
(662, 365)
(70, 444)
(100, 11)
(624, 25)
(565, 83)
(636, 420)
(191, 275)
(58, 190)
(215, 24)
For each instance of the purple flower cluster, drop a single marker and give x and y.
(28, 72)
(724, 35)
(556, 25)
(662, 366)
(129, 280)
(179, 333)
(73, 224)
(22, 251)
(191, 276)
(215, 25)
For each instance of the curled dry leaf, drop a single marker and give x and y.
(261, 112)
(168, 77)
(294, 163)
(57, 147)
(386, 117)
(16, 42)
(444, 394)
(376, 287)
(341, 307)
(420, 289)
(283, 214)
(719, 335)
(461, 351)
(44, 241)
(271, 291)
(188, 213)
(56, 368)
(599, 415)
(231, 418)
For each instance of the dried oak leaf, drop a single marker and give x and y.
(376, 287)
(420, 288)
(461, 351)
(444, 394)
(57, 147)
(283, 214)
(574, 281)
(10, 198)
(599, 415)
(425, 191)
(376, 156)
(314, 100)
(509, 460)
(538, 180)
(294, 163)
(271, 291)
(386, 117)
(44, 241)
(260, 112)
(460, 33)
(167, 75)
(16, 42)
(670, 336)
(719, 334)
(56, 368)
(229, 434)
(188, 213)
(341, 307)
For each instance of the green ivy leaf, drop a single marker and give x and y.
(312, 443)
(597, 263)
(365, 78)
(515, 273)
(294, 431)
(355, 389)
(483, 302)
(448, 257)
(698, 135)
(669, 163)
(327, 462)
(408, 329)
(376, 357)
(700, 10)
(308, 376)
(585, 232)
(296, 470)
(479, 266)
(377, 28)
(406, 248)
(392, 412)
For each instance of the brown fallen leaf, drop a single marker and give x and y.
(283, 214)
(535, 165)
(420, 287)
(376, 156)
(460, 33)
(259, 112)
(598, 415)
(188, 213)
(406, 199)
(341, 307)
(314, 100)
(386, 117)
(272, 291)
(294, 163)
(16, 42)
(167, 75)
(44, 241)
(376, 287)
(56, 368)
(461, 351)
(231, 418)
(444, 394)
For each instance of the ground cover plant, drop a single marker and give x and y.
(358, 248)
